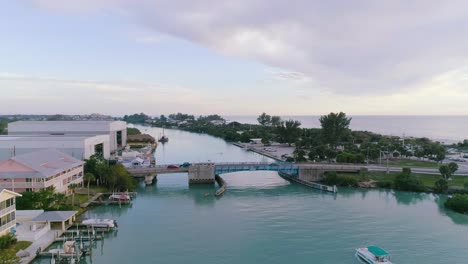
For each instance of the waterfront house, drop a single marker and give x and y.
(7, 210)
(40, 169)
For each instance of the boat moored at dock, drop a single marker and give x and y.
(102, 223)
(122, 197)
(373, 255)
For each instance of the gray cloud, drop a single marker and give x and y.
(350, 47)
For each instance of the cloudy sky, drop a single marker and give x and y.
(239, 57)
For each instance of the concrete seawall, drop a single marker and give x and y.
(314, 185)
(222, 185)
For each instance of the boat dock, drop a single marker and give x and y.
(92, 200)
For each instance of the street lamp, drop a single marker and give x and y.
(380, 157)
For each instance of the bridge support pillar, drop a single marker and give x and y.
(311, 174)
(150, 179)
(201, 173)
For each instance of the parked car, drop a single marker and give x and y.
(185, 165)
(172, 167)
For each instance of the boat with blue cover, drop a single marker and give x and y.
(373, 255)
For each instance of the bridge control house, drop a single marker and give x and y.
(40, 169)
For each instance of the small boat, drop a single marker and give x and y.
(96, 222)
(163, 138)
(69, 250)
(373, 255)
(123, 197)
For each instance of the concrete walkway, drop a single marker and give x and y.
(42, 243)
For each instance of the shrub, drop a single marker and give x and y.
(6, 241)
(384, 184)
(458, 203)
(407, 182)
(441, 186)
(331, 178)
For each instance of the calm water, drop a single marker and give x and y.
(444, 128)
(265, 219)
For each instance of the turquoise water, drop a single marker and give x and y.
(265, 219)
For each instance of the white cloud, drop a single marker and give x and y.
(350, 47)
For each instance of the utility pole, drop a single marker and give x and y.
(388, 171)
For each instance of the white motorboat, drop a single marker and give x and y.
(106, 223)
(373, 255)
(122, 197)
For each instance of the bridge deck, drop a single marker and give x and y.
(227, 167)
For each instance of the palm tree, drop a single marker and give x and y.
(89, 177)
(72, 187)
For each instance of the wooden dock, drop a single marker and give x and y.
(90, 201)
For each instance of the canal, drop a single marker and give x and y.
(264, 219)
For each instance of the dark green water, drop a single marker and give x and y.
(265, 219)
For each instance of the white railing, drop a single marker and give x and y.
(11, 185)
(7, 210)
(8, 225)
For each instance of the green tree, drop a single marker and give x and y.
(72, 188)
(264, 119)
(334, 127)
(133, 131)
(312, 154)
(448, 170)
(89, 177)
(289, 131)
(275, 121)
(441, 185)
(405, 181)
(300, 156)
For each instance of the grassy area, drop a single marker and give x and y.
(79, 198)
(18, 246)
(412, 163)
(427, 179)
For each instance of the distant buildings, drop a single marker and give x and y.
(7, 210)
(40, 169)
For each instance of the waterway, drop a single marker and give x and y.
(264, 219)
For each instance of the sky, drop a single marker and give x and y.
(243, 57)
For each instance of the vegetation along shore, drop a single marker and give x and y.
(335, 142)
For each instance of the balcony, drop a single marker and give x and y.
(8, 226)
(11, 185)
(7, 210)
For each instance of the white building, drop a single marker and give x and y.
(79, 147)
(40, 169)
(116, 130)
(7, 211)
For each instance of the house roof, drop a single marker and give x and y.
(10, 192)
(37, 164)
(54, 216)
